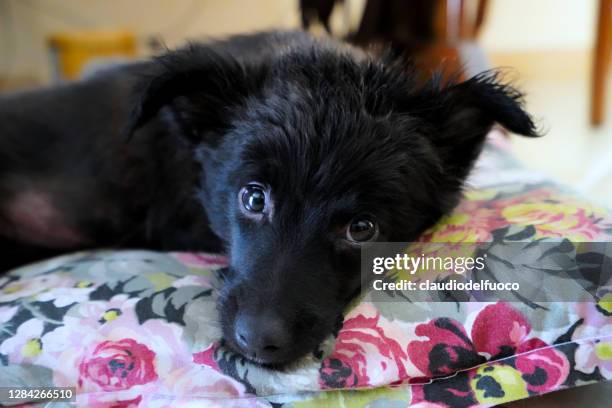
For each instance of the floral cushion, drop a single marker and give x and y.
(139, 328)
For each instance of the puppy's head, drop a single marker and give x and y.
(307, 158)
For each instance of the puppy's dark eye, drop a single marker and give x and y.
(254, 198)
(362, 229)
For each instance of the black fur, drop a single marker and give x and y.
(332, 133)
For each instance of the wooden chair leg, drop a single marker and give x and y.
(601, 62)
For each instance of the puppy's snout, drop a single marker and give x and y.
(264, 336)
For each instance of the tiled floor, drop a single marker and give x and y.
(558, 94)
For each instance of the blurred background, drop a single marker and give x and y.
(559, 52)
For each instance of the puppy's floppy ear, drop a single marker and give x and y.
(197, 87)
(463, 113)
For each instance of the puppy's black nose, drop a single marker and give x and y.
(263, 336)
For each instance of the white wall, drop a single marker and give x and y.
(25, 24)
(511, 25)
(539, 25)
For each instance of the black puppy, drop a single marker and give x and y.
(287, 152)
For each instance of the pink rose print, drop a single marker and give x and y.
(200, 260)
(365, 353)
(545, 359)
(448, 349)
(117, 365)
(453, 392)
(499, 331)
(594, 352)
(133, 403)
(472, 221)
(336, 373)
(107, 401)
(207, 357)
(595, 356)
(553, 215)
(594, 337)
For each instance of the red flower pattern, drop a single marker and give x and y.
(499, 334)
(117, 365)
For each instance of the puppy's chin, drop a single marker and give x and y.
(284, 363)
